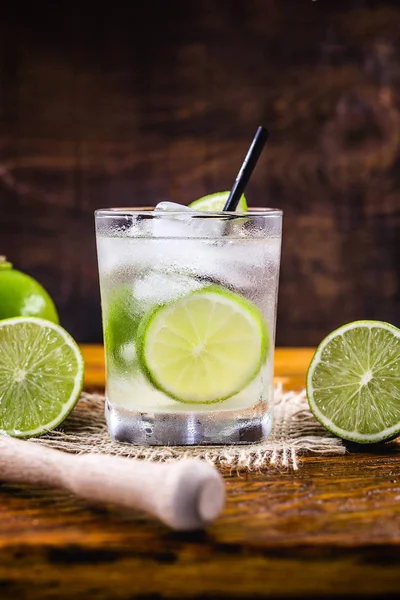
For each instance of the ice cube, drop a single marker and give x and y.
(159, 287)
(172, 206)
(186, 222)
(128, 354)
(168, 224)
(246, 266)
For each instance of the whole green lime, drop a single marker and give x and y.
(23, 296)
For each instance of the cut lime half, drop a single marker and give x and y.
(216, 203)
(204, 347)
(41, 376)
(353, 382)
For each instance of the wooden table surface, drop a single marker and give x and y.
(331, 529)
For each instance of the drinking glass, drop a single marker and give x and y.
(165, 278)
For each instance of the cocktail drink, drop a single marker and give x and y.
(189, 309)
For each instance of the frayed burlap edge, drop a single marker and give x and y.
(295, 433)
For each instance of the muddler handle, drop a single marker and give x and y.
(185, 495)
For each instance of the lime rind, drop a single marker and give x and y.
(5, 264)
(356, 392)
(22, 295)
(216, 202)
(31, 401)
(246, 308)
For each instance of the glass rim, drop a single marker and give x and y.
(149, 210)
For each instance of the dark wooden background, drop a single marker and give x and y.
(130, 102)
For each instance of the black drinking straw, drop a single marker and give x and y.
(246, 169)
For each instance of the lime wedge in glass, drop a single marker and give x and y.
(353, 382)
(41, 376)
(216, 203)
(204, 347)
(122, 321)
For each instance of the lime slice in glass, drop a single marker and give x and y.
(204, 347)
(353, 382)
(216, 203)
(41, 376)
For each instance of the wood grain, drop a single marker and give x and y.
(142, 102)
(329, 530)
(333, 527)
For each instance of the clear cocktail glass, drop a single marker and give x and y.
(189, 311)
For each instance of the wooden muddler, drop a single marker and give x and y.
(185, 495)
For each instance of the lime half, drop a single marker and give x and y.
(41, 376)
(353, 382)
(204, 347)
(216, 203)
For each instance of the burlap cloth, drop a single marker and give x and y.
(295, 433)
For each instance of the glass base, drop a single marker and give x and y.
(245, 426)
